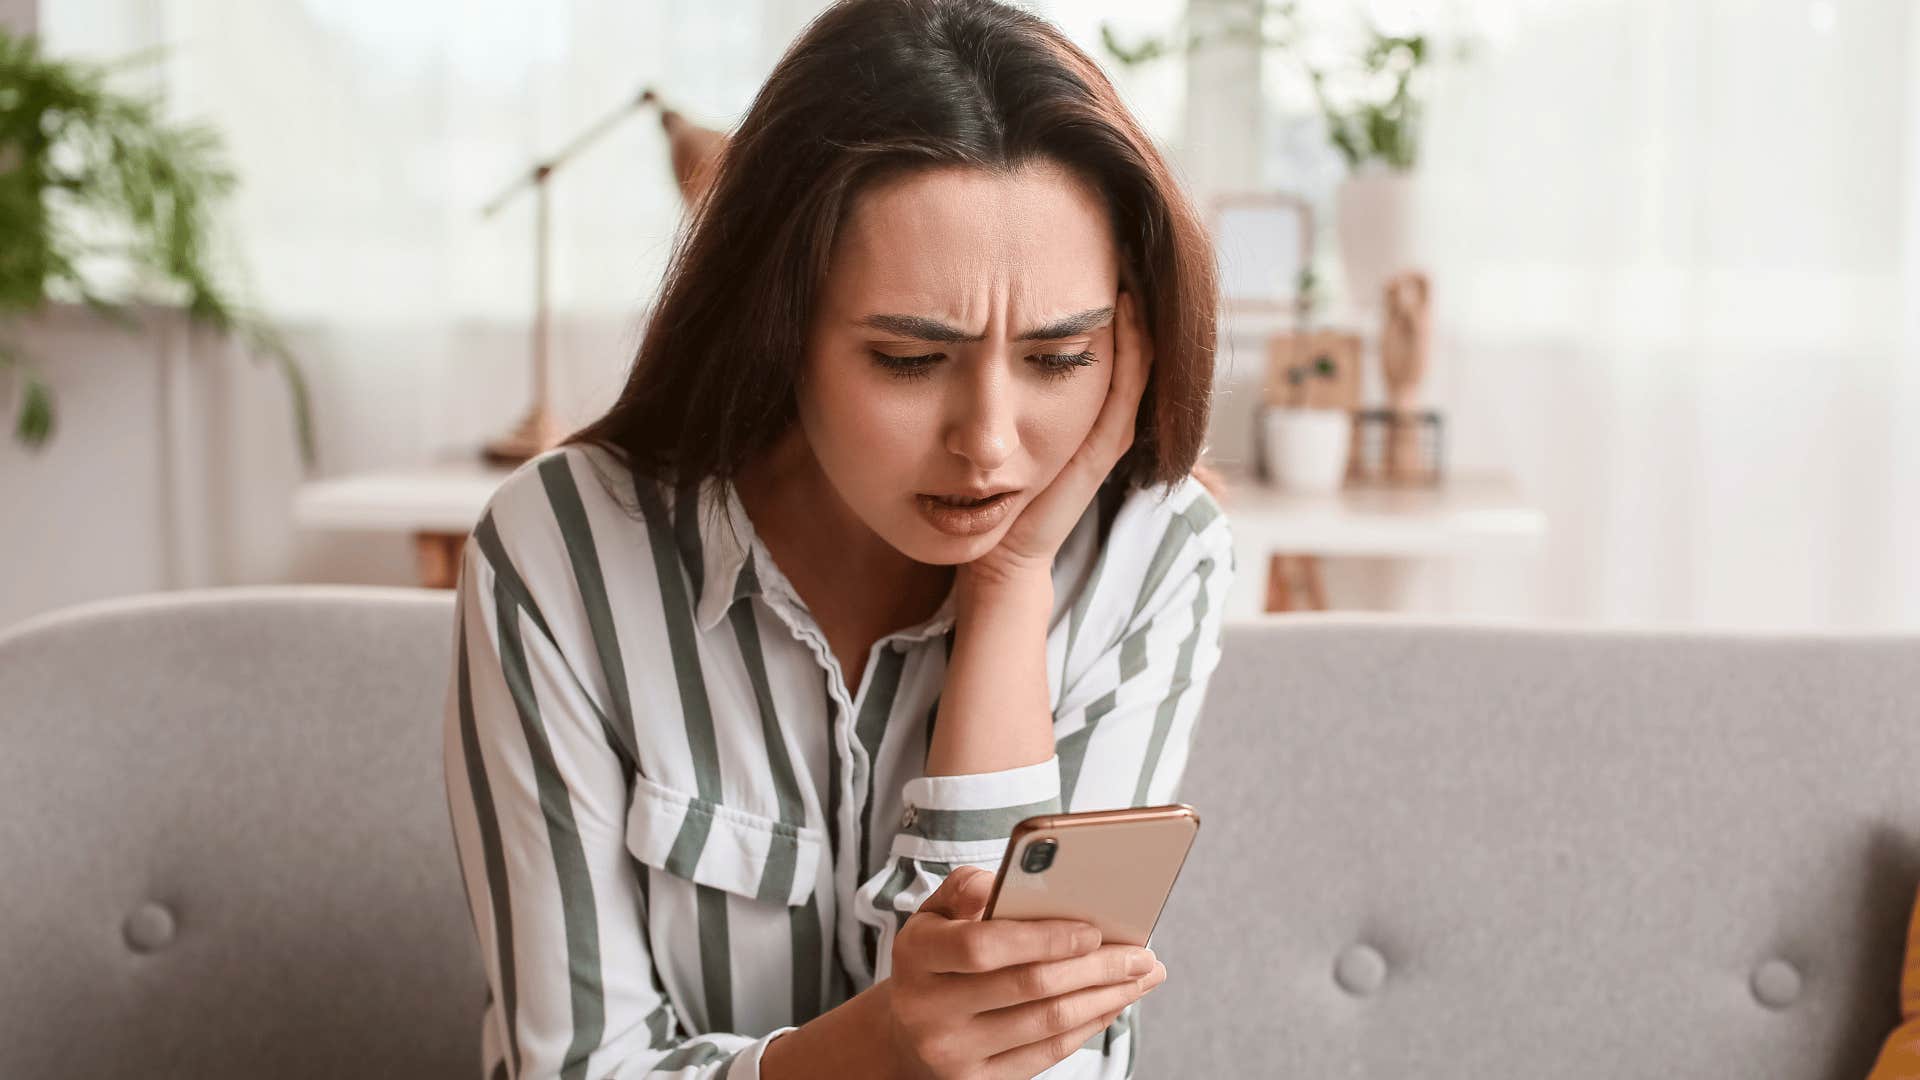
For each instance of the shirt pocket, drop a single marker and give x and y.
(722, 847)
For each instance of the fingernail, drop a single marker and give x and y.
(1140, 962)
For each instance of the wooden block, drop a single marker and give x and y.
(1294, 584)
(437, 558)
(1288, 350)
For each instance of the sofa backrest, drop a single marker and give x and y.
(225, 841)
(1428, 849)
(1445, 850)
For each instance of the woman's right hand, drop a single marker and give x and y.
(1003, 997)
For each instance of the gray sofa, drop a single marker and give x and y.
(1429, 849)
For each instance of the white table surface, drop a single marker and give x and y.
(1472, 513)
(445, 497)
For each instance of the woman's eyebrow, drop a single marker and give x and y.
(921, 328)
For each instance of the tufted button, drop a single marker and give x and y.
(1360, 970)
(149, 929)
(1776, 983)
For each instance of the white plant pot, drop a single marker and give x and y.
(1375, 212)
(1306, 449)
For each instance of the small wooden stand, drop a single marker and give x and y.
(436, 557)
(1293, 584)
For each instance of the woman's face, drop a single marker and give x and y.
(963, 344)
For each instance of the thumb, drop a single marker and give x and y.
(963, 895)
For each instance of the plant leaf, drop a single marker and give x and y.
(34, 426)
(121, 165)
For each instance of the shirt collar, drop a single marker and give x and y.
(735, 564)
(726, 552)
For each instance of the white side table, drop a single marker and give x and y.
(1472, 513)
(438, 505)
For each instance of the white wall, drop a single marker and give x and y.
(19, 16)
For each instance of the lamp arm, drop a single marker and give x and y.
(541, 170)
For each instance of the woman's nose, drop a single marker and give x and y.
(984, 430)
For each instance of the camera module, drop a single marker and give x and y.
(1038, 856)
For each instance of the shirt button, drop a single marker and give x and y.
(907, 819)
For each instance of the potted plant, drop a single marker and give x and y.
(88, 173)
(1367, 80)
(1301, 442)
(1373, 116)
(1304, 447)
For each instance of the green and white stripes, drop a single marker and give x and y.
(682, 832)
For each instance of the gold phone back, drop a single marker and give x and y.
(1115, 874)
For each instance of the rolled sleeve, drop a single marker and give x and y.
(949, 821)
(957, 818)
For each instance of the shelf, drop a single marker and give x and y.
(1471, 513)
(443, 498)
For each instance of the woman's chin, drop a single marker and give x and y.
(935, 548)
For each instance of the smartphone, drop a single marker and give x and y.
(1112, 868)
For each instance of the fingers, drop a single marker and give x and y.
(974, 947)
(1033, 1059)
(963, 895)
(1114, 428)
(1049, 1030)
(947, 934)
(1105, 966)
(1132, 365)
(1043, 525)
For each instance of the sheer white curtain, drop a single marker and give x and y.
(1676, 247)
(368, 134)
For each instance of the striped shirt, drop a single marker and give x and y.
(682, 833)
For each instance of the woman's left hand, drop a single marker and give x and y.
(1035, 537)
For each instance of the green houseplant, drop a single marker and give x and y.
(90, 173)
(1368, 92)
(1368, 82)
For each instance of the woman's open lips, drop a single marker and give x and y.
(960, 515)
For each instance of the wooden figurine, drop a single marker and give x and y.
(1406, 346)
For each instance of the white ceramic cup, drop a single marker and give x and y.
(1307, 448)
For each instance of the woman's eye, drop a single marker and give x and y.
(1052, 365)
(1061, 365)
(906, 367)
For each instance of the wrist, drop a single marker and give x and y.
(880, 1019)
(979, 588)
(855, 1038)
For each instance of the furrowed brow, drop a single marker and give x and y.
(1068, 327)
(921, 328)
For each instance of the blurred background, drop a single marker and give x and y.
(1655, 358)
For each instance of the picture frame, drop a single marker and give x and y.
(1263, 240)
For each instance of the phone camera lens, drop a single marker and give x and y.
(1038, 856)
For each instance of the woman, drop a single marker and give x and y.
(888, 543)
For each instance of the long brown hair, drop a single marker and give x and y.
(872, 88)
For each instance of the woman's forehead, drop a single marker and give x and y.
(954, 236)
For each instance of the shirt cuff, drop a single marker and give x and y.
(968, 818)
(746, 1063)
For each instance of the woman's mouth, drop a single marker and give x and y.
(964, 515)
